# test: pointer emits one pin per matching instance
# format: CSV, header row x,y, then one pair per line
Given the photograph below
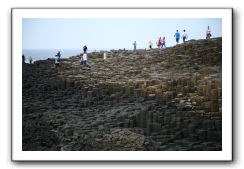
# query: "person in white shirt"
x,y
104,55
184,36
85,59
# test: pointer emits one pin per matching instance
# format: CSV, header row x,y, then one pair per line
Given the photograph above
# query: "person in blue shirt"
x,y
177,36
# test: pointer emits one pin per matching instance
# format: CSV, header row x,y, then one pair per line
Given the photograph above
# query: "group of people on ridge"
x,y
83,58
161,42
177,36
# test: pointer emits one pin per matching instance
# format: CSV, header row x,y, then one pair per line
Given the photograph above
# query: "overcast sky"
x,y
38,33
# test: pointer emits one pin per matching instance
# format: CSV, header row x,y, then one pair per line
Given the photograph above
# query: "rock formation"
x,y
160,99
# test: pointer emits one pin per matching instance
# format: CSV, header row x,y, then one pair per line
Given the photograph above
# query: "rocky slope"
x,y
167,99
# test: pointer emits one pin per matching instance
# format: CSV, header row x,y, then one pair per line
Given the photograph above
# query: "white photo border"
x,y
224,13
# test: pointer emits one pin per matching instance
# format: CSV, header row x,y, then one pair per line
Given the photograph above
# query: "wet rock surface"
x,y
157,100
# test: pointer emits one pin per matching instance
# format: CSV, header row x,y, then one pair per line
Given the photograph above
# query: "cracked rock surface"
x,y
144,100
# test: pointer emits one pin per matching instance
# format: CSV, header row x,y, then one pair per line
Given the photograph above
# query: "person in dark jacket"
x,y
85,48
23,59
57,59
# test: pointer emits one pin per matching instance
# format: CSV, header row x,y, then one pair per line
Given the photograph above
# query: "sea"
x,y
43,54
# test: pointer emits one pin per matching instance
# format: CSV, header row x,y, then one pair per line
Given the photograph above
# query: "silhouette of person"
x,y
23,59
208,33
30,60
85,49
134,44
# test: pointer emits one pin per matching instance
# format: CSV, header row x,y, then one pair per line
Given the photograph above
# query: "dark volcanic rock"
x,y
157,100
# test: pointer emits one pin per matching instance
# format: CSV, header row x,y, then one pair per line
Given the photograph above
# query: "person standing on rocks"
x,y
23,59
85,59
134,44
30,60
57,59
81,60
150,44
163,43
177,37
184,36
85,49
159,42
208,33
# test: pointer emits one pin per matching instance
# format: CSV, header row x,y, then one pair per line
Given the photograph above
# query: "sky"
x,y
108,33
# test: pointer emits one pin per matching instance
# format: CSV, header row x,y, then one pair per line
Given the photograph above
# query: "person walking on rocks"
x,y
163,43
150,44
184,36
134,44
85,63
159,42
83,60
57,59
177,37
208,33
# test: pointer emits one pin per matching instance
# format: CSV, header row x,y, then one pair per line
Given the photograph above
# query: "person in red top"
x,y
159,42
